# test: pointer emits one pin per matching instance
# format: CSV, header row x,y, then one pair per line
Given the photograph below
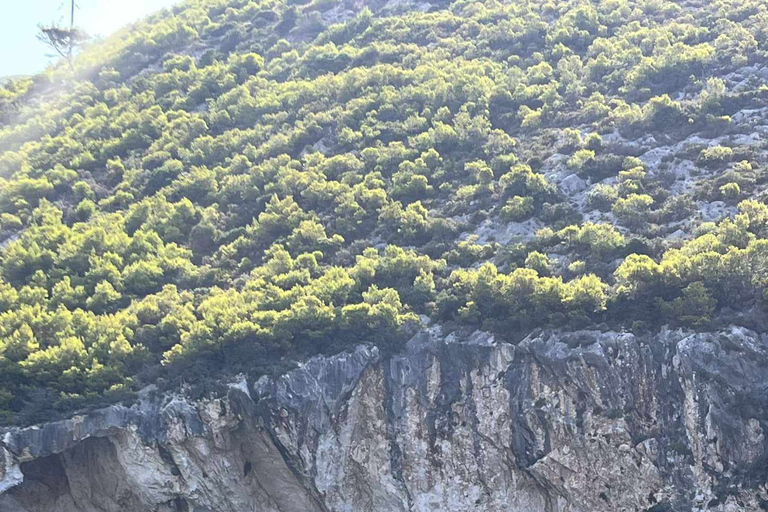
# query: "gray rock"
x,y
572,184
561,422
715,211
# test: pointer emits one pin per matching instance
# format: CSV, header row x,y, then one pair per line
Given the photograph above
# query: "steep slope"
x,y
586,421
235,186
231,184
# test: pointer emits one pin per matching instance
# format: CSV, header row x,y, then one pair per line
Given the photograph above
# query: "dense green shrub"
x,y
296,188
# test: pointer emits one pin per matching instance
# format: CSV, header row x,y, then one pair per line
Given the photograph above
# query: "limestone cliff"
x,y
585,421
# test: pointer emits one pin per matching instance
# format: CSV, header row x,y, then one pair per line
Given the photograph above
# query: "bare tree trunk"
x,y
64,40
71,27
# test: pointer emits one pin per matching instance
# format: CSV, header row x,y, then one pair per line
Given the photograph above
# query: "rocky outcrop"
x,y
561,422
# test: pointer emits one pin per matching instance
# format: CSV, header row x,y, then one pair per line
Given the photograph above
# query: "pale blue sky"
x,y
22,54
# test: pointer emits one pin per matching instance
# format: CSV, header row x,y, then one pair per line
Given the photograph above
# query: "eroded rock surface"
x,y
562,422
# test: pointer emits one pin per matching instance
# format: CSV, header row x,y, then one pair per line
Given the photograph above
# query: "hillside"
x,y
234,185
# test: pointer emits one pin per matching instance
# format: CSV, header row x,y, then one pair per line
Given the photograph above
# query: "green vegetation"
x,y
234,183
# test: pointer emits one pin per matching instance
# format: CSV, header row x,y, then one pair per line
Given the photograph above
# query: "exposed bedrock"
x,y
562,422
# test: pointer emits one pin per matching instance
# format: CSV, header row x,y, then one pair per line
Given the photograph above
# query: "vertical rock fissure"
x,y
395,452
306,480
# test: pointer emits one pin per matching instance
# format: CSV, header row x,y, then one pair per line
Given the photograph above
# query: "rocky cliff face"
x,y
586,421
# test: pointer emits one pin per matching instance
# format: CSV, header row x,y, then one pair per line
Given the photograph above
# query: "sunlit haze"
x,y
22,54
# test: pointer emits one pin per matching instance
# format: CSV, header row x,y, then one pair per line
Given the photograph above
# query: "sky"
x,y
20,51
